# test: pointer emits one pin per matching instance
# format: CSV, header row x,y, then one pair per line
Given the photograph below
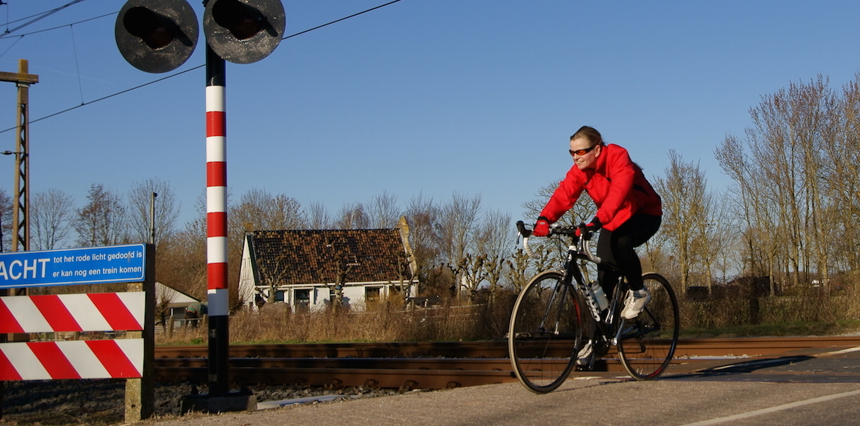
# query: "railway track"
x,y
435,365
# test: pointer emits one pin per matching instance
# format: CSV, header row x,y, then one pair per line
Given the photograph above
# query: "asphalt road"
x,y
820,387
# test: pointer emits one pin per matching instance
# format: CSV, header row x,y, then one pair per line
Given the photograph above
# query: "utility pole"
x,y
22,170
20,210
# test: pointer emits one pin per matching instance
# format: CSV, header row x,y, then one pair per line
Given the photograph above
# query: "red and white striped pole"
x,y
216,223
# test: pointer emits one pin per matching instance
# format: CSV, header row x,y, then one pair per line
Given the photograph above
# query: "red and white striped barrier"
x,y
81,359
72,312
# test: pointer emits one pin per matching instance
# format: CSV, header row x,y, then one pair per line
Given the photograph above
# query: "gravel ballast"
x,y
101,402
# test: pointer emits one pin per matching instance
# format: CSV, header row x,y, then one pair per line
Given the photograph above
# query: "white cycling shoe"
x,y
584,357
635,303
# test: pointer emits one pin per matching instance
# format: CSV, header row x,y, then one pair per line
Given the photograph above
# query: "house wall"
x,y
319,295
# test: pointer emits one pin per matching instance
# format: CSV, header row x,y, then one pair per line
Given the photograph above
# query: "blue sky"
x,y
477,97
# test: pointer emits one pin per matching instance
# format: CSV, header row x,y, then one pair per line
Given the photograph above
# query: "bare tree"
x,y
472,273
457,222
317,217
260,210
140,205
495,239
752,209
405,275
842,180
795,134
274,274
182,259
344,268
423,215
582,211
551,252
686,207
517,272
724,242
353,216
383,212
164,297
51,214
344,263
6,219
101,222
267,211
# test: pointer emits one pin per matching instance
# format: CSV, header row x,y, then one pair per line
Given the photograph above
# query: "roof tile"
x,y
316,256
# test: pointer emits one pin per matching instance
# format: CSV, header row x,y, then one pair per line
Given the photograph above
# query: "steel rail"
x,y
436,365
498,349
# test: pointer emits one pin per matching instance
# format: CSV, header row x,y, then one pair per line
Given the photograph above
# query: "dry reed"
x,y
393,322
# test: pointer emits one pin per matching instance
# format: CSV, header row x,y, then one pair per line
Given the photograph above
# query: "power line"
x,y
41,16
108,96
341,19
3,3
185,71
59,26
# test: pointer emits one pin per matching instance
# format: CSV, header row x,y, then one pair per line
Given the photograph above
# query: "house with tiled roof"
x,y
315,269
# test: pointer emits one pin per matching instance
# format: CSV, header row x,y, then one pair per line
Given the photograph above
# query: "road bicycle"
x,y
556,313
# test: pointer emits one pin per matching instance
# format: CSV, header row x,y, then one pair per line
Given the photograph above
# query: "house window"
x,y
371,294
302,298
279,296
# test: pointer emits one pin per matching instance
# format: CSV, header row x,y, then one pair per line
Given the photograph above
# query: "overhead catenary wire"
x,y
341,19
20,36
8,22
84,103
40,16
109,96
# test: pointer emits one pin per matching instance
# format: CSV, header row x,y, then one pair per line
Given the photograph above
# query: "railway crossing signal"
x,y
156,35
244,32
159,36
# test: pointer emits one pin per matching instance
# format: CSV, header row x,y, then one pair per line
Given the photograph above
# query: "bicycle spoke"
x,y
545,334
647,348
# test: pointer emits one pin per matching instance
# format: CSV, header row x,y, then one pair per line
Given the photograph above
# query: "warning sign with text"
x,y
91,265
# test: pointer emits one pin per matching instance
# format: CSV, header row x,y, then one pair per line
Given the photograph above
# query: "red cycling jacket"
x,y
616,184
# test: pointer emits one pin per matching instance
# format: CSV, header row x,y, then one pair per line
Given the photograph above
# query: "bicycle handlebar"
x,y
581,240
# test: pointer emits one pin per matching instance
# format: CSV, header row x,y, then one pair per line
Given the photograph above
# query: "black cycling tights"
x,y
616,248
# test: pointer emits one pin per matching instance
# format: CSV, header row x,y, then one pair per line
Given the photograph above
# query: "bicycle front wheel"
x,y
648,341
545,332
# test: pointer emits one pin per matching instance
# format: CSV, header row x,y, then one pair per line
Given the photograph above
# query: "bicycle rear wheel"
x,y
648,342
545,333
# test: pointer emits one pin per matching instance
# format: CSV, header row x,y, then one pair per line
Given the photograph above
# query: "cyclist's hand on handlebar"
x,y
541,228
589,229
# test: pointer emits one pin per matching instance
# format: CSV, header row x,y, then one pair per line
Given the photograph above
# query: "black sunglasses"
x,y
581,152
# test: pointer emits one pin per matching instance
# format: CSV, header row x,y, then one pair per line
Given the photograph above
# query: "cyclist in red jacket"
x,y
629,211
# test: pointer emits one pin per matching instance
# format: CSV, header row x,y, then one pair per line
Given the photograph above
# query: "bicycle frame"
x,y
580,249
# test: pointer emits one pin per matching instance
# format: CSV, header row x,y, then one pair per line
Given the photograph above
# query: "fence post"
x,y
140,393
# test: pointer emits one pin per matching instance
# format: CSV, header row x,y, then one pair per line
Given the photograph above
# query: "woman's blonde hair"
x,y
589,133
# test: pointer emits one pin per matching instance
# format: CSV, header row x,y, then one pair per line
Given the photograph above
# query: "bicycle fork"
x,y
559,291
